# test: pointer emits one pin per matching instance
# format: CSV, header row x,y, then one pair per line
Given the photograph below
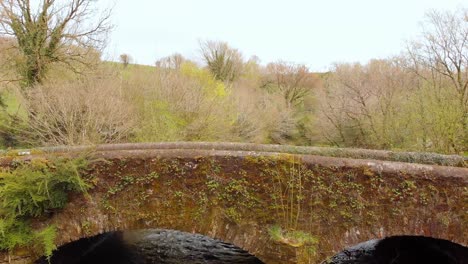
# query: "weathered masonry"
x,y
282,204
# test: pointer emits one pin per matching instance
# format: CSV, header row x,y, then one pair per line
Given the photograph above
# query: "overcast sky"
x,y
314,32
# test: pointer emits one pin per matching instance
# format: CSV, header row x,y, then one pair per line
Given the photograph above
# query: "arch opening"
x,y
403,250
148,246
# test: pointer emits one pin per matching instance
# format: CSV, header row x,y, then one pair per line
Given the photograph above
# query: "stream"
x,y
150,247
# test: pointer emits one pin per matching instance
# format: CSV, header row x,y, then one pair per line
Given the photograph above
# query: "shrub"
x,y
180,104
32,190
89,111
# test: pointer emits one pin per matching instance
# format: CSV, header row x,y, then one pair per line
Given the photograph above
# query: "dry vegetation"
x,y
417,101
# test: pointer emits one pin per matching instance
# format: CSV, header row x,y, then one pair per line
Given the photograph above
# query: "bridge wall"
x,y
239,196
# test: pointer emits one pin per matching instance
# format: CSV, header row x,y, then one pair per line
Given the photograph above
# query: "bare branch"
x,y
293,80
46,35
224,62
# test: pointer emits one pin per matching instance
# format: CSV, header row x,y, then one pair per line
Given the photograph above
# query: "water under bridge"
x,y
262,197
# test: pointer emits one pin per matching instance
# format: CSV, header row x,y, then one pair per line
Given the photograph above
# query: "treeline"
x,y
176,100
415,101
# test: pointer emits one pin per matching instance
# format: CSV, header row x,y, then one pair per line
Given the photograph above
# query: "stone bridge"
x,y
283,204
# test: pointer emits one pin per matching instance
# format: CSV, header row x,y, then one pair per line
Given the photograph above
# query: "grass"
x,y
294,238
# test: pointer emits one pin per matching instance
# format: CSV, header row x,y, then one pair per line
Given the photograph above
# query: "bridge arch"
x,y
149,246
403,250
281,207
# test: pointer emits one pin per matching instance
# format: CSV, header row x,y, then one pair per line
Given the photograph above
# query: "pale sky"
x,y
313,32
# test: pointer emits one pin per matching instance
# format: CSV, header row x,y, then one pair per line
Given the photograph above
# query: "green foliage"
x,y
293,238
275,233
46,237
160,123
433,122
211,87
14,233
32,190
183,104
40,186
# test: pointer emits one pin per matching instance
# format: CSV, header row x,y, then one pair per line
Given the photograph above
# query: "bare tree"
x,y
442,53
53,31
171,62
295,81
224,62
125,59
361,102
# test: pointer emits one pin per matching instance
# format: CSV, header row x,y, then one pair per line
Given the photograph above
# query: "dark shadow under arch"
x,y
104,248
147,247
403,250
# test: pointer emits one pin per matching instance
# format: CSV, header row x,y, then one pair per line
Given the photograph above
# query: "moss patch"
x,y
205,193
